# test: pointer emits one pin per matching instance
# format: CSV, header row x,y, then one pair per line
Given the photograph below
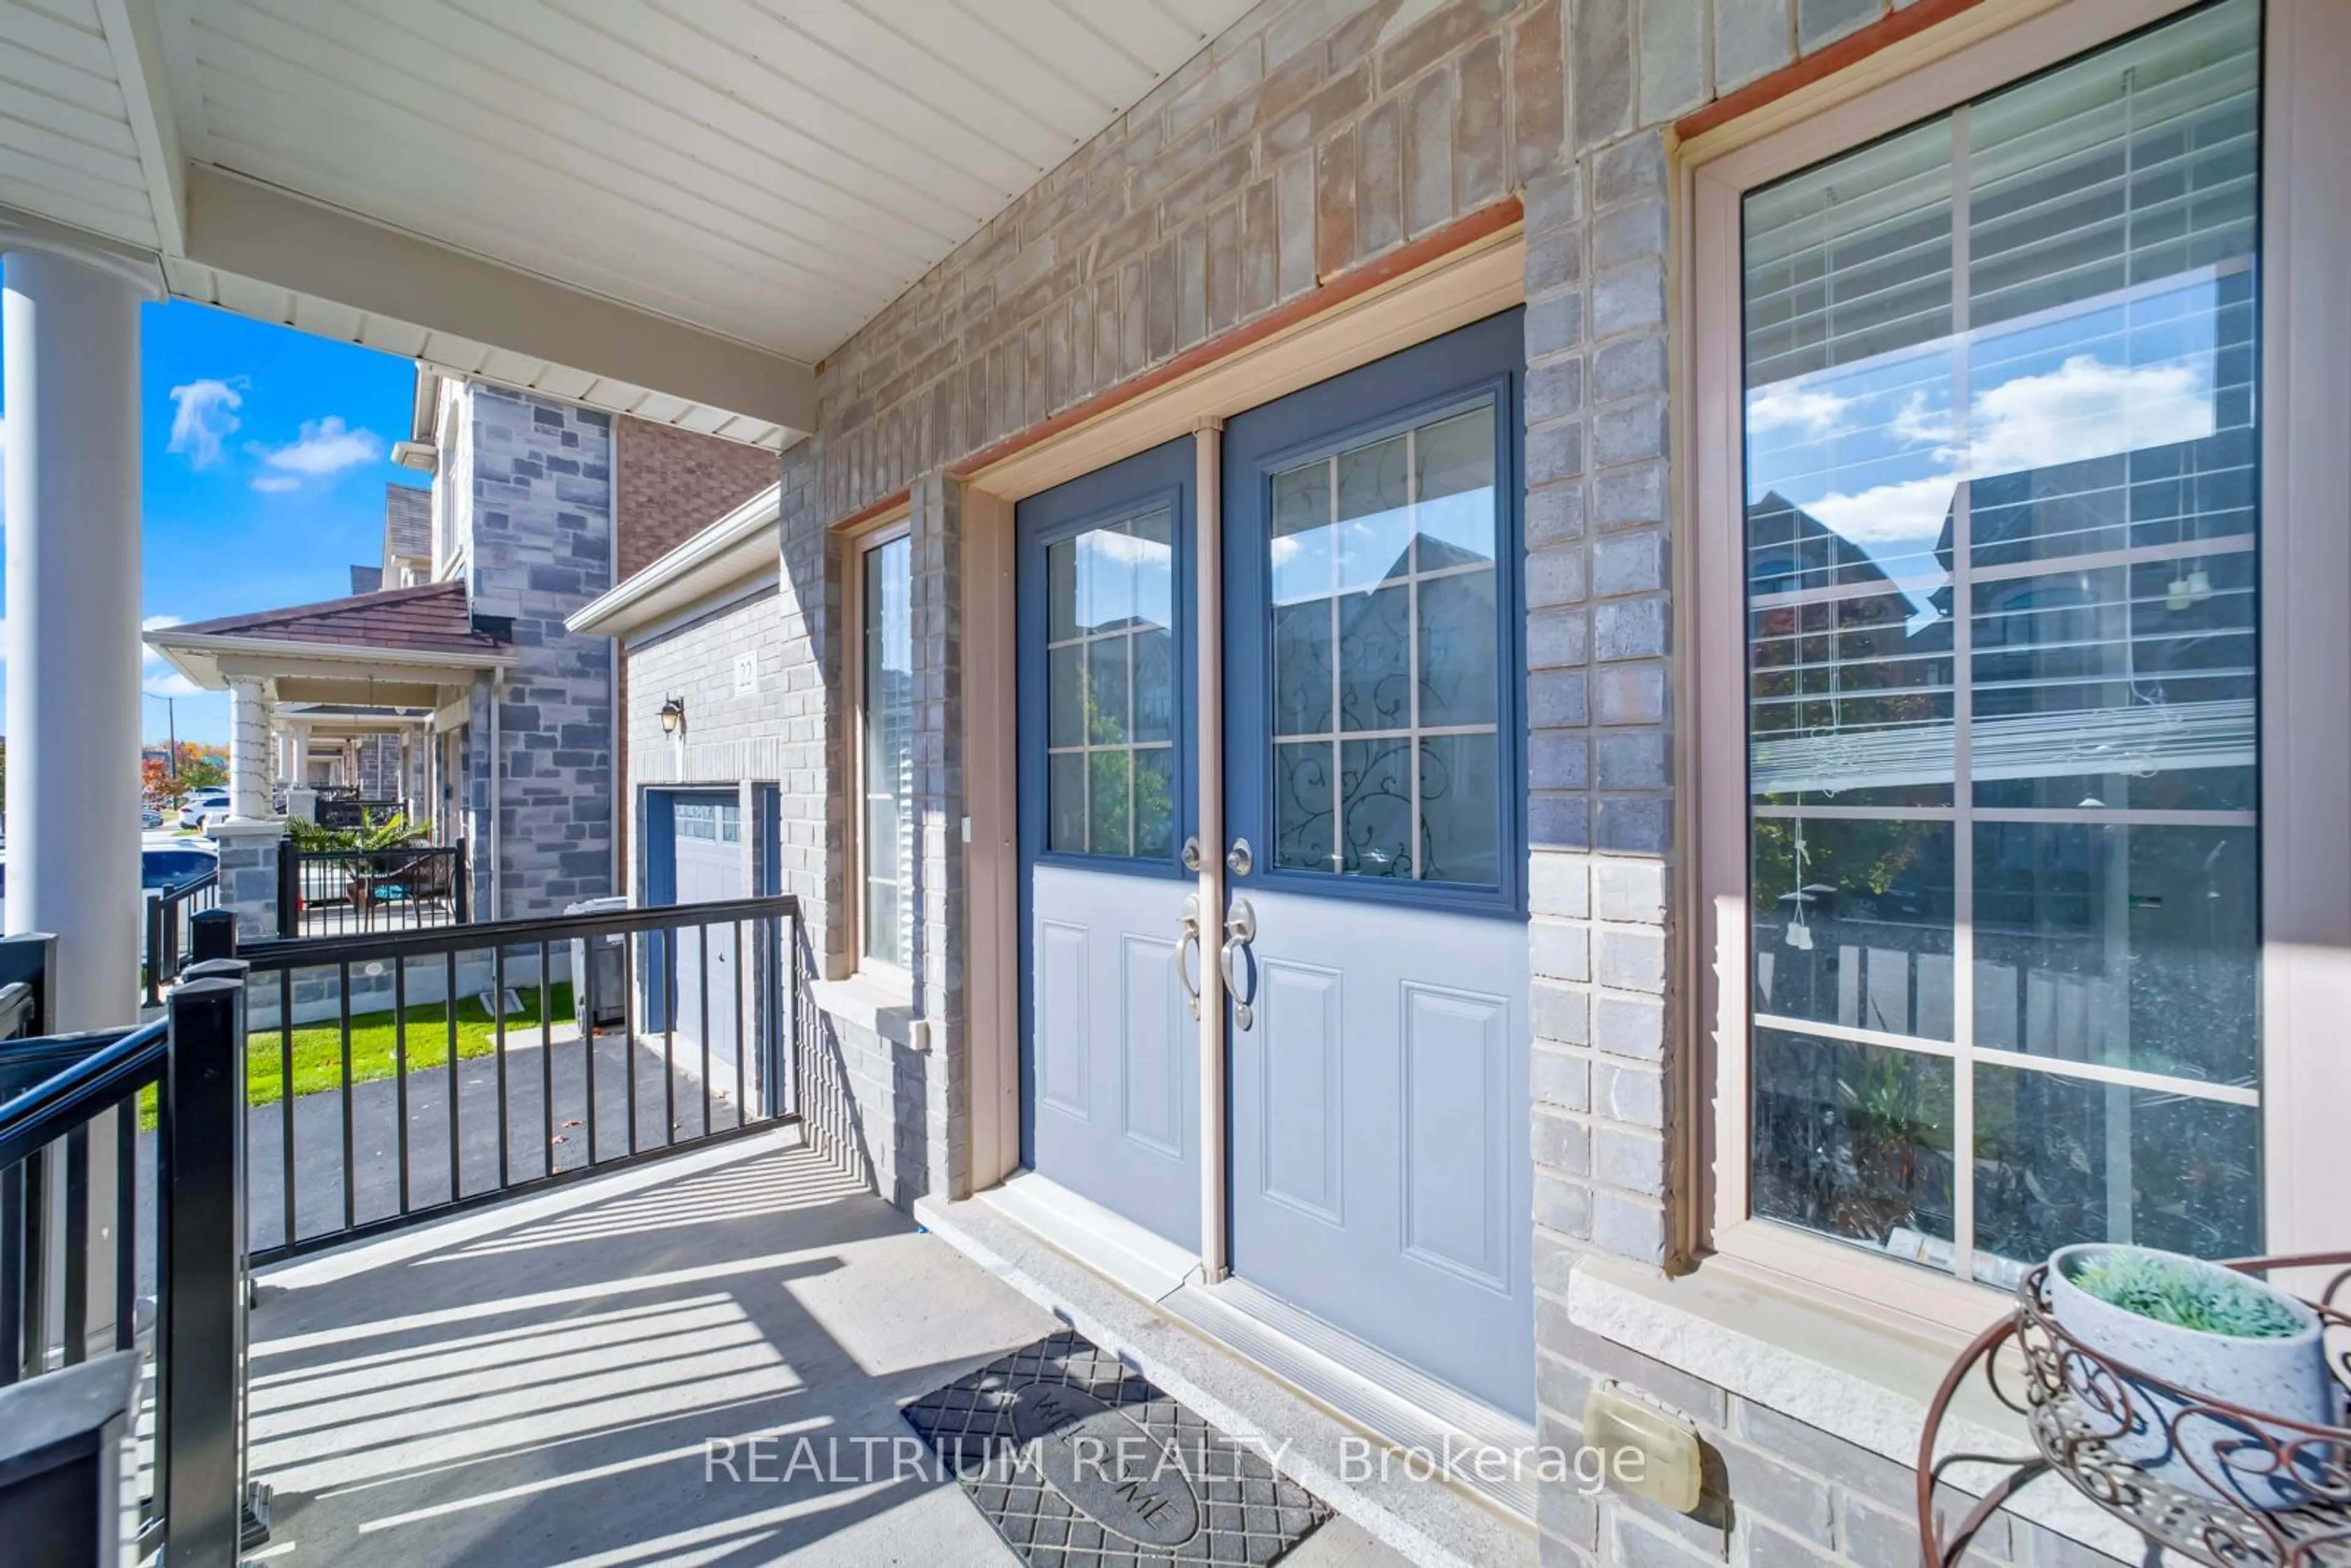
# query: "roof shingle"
x,y
436,619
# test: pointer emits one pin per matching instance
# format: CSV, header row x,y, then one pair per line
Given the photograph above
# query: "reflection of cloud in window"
x,y
1816,413
1910,510
2085,409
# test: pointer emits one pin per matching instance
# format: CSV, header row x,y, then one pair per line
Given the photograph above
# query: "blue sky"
x,y
265,452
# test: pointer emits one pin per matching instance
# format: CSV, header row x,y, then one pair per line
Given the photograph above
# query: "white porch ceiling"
x,y
761,174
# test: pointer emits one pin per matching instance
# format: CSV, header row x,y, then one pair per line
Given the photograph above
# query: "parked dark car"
x,y
167,867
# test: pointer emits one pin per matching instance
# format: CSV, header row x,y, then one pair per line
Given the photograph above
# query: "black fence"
x,y
436,1069
184,1231
338,810
341,893
169,930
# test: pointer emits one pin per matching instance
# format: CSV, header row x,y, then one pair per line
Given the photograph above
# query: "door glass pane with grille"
x,y
2002,547
1386,680
1109,680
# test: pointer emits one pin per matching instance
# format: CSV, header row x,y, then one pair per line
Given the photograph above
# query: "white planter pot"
x,y
2204,1454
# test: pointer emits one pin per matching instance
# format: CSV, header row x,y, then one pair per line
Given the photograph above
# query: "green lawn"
x,y
319,1047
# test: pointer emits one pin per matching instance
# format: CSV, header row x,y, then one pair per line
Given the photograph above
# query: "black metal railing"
x,y
169,933
341,809
396,1076
62,1097
341,893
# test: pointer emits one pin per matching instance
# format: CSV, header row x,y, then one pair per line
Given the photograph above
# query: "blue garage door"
x,y
696,853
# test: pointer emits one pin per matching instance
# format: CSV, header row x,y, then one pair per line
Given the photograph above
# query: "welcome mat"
x,y
1077,1460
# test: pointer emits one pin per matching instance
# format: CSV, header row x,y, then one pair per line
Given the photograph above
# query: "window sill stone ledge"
x,y
1866,1382
882,1004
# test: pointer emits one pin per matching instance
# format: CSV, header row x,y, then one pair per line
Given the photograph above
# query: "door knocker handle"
x,y
1190,938
1241,930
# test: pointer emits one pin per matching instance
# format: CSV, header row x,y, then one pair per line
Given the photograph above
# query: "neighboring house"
x,y
455,689
1545,1054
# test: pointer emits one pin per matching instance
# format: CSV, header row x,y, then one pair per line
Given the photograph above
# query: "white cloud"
x,y
326,448
156,677
157,623
2087,408
1817,415
1911,509
275,483
203,414
2084,409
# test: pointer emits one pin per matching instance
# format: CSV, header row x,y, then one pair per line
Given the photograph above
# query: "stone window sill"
x,y
874,1000
1864,1381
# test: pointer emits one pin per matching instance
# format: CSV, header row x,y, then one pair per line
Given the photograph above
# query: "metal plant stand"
x,y
2074,1401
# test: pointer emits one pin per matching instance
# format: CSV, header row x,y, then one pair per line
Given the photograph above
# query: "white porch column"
x,y
70,324
248,750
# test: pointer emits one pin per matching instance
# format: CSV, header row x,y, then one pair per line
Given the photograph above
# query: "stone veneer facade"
x,y
540,483
1308,140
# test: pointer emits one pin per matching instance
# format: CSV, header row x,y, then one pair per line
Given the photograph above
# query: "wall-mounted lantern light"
x,y
673,715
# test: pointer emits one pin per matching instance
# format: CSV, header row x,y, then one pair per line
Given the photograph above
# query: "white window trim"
x,y
889,529
2307,647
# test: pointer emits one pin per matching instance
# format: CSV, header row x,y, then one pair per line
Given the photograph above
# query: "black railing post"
x,y
172,914
154,965
61,1464
289,887
199,1378
213,936
463,878
32,958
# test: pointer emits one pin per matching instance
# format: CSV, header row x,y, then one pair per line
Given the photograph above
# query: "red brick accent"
x,y
671,484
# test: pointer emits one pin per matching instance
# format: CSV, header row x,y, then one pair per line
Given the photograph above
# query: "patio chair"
x,y
414,878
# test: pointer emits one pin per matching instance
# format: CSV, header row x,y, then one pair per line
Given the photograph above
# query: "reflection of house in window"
x,y
1838,680
2125,682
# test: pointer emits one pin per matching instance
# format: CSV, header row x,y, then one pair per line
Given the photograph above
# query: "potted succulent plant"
x,y
2206,1332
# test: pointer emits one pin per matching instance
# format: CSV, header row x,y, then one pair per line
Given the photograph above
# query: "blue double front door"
x,y
1372,930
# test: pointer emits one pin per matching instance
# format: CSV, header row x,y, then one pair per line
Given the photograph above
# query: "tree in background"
x,y
200,768
157,787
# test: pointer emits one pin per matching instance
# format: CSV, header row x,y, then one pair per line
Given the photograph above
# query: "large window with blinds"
x,y
2001,528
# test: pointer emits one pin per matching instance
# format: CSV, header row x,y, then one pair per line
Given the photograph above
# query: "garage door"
x,y
699,859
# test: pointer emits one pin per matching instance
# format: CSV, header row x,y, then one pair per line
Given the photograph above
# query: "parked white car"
x,y
202,807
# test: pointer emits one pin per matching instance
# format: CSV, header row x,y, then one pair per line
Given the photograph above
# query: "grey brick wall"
x,y
1311,137
729,736
732,737
542,547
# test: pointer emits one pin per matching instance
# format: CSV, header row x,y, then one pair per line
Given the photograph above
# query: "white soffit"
x,y
768,173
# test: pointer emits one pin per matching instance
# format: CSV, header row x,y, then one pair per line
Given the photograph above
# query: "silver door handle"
x,y
1239,860
1191,855
1241,930
1189,939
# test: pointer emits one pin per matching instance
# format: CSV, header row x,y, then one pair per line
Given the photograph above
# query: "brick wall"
x,y
732,737
1311,138
542,547
729,736
670,484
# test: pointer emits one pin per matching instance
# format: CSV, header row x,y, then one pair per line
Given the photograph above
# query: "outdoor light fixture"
x,y
673,715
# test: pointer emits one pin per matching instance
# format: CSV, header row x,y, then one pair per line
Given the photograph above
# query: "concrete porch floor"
x,y
540,1383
